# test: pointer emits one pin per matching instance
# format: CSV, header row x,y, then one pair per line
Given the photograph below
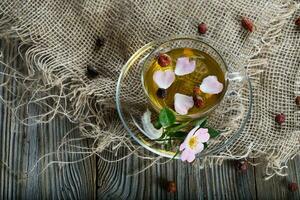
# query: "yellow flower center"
x,y
193,142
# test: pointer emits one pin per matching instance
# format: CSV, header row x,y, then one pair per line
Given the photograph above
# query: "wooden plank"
x,y
218,182
21,146
276,187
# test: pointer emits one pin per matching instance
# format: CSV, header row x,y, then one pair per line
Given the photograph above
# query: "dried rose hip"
x,y
196,90
99,42
163,60
241,165
297,22
280,118
247,24
297,100
198,101
202,28
293,187
161,93
171,187
92,71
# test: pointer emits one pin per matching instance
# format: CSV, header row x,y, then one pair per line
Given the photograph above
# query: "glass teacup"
x,y
230,75
233,107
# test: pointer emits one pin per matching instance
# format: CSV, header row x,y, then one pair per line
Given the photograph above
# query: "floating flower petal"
x,y
164,79
183,103
211,85
184,66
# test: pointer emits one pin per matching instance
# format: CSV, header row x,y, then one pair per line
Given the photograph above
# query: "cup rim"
x,y
163,41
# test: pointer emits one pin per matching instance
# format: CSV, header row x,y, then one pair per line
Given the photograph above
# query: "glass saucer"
x,y
229,117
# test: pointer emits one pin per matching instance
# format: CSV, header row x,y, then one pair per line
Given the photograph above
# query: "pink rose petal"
x,y
164,79
184,66
183,103
187,138
202,134
192,132
196,148
187,156
182,146
199,147
211,85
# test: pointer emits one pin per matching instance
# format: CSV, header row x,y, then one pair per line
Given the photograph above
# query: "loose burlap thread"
x,y
61,37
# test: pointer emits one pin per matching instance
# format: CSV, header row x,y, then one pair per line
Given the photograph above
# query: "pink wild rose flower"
x,y
193,143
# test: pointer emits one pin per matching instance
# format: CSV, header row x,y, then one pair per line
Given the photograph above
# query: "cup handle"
x,y
236,76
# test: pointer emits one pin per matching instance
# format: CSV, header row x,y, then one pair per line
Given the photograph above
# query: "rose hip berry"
x,y
202,28
163,60
280,118
99,42
297,100
91,71
171,187
293,187
198,101
161,93
241,165
196,90
247,24
297,22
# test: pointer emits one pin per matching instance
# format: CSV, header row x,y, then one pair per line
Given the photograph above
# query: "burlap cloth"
x,y
60,36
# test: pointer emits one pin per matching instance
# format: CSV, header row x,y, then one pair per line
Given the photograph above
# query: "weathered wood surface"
x,y
22,146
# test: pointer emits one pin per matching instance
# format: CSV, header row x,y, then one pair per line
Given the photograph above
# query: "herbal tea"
x,y
186,80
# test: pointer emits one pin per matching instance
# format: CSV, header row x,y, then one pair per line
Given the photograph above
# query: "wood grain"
x,y
276,187
219,182
21,146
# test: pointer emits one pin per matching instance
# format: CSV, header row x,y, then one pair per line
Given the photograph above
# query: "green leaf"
x,y
200,122
177,127
213,132
178,134
166,117
157,125
172,126
205,145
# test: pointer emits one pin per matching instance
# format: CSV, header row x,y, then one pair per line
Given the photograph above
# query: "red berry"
x,y
241,165
171,187
297,100
202,28
161,93
297,22
293,187
247,24
280,118
198,101
91,71
196,90
163,60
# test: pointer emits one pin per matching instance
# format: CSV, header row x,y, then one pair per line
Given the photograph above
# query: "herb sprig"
x,y
178,130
